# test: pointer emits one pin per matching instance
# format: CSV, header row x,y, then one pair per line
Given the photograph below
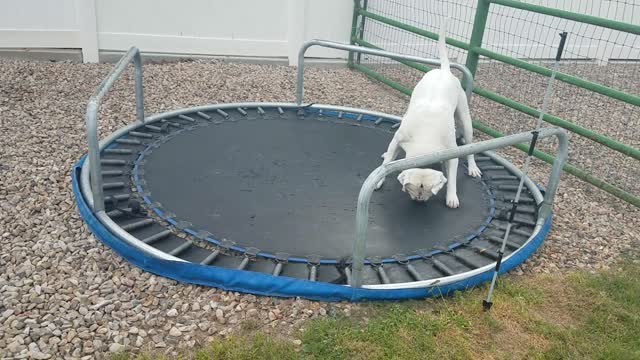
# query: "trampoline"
x,y
277,199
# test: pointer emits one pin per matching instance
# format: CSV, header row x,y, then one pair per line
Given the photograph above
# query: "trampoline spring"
x,y
524,221
210,258
186,118
497,240
260,110
137,225
488,253
130,141
440,266
492,167
508,187
383,275
468,263
503,177
221,112
513,230
241,111
482,158
522,210
313,272
112,173
116,213
140,134
280,111
155,237
113,185
277,269
414,273
379,121
180,249
170,123
340,113
118,151
203,115
117,162
118,197
153,128
359,118
504,214
522,200
396,125
244,263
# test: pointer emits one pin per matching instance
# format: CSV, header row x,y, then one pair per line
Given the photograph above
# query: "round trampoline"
x,y
263,198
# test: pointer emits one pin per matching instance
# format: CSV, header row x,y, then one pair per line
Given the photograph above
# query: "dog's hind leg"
x,y
464,116
452,173
390,155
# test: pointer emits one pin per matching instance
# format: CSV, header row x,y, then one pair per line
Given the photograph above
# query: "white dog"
x,y
429,125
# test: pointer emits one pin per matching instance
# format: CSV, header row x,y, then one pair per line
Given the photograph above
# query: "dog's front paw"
x,y
452,201
379,185
474,171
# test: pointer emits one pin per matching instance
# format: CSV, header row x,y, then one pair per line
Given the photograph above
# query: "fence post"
x,y
354,30
86,15
361,28
479,24
295,29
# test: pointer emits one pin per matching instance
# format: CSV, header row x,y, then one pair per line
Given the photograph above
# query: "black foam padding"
x,y
284,184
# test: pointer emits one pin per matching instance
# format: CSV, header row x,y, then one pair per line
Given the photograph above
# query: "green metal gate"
x,y
401,27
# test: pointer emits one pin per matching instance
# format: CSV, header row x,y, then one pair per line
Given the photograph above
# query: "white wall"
x,y
252,28
58,24
35,24
264,28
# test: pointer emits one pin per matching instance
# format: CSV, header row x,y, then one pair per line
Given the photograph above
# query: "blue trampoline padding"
x,y
264,284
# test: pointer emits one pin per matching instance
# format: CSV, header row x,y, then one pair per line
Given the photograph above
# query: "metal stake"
x,y
486,304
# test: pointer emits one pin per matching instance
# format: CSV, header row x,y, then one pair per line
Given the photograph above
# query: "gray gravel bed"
x,y
65,295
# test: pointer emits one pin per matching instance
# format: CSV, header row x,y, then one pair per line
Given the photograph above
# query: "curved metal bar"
x,y
467,78
362,211
92,119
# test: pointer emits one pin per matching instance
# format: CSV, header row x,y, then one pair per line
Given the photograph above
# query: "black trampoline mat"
x,y
288,185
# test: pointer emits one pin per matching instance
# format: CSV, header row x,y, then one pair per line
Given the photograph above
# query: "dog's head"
x,y
421,184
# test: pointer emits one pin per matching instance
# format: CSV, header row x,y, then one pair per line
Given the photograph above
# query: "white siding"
x,y
253,28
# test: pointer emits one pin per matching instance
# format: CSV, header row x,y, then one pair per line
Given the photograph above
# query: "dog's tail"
x,y
442,47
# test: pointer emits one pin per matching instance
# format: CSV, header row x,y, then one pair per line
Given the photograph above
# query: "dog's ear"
x,y
403,178
441,181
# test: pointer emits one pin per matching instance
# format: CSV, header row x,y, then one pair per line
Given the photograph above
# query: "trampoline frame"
x,y
91,181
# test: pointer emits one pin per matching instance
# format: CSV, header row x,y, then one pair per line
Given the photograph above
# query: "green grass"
x,y
574,316
258,346
611,326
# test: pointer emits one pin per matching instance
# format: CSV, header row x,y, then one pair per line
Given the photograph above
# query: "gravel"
x,y
65,295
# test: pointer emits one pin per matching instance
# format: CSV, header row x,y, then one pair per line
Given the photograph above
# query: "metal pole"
x,y
137,63
354,30
467,78
361,30
92,119
553,180
94,156
479,25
